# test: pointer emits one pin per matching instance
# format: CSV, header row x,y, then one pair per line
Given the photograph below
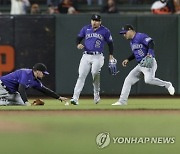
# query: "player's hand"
x,y
149,55
62,99
111,57
80,46
27,104
125,62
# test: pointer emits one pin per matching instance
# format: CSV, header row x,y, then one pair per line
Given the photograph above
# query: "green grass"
x,y
58,131
54,134
105,104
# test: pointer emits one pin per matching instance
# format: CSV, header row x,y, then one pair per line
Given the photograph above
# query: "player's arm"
x,y
111,50
131,57
80,37
22,92
78,42
151,47
51,93
126,61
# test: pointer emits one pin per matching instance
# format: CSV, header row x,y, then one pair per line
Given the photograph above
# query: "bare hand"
x,y
62,99
125,62
111,57
80,46
149,55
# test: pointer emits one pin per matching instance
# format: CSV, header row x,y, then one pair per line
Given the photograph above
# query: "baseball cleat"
x,y
171,89
119,103
74,102
96,98
96,101
3,102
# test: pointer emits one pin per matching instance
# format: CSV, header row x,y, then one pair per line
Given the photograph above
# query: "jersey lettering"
x,y
136,46
94,35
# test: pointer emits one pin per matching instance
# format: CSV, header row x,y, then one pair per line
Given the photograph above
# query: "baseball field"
x,y
145,125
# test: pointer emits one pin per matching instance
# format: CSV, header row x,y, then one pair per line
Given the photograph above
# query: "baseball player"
x,y
142,46
95,36
13,85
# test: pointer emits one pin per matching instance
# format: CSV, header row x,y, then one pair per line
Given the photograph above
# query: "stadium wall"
x,y
27,40
162,28
51,40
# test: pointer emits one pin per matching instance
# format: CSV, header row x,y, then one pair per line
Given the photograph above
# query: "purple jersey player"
x,y
13,85
142,45
95,36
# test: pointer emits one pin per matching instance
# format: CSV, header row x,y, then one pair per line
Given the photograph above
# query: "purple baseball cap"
x,y
125,28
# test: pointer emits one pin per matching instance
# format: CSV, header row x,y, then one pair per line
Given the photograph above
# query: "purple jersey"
x,y
95,40
21,76
139,45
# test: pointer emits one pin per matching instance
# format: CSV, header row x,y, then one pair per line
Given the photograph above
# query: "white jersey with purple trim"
x,y
95,40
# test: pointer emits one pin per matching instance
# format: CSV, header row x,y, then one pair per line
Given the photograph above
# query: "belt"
x,y
92,52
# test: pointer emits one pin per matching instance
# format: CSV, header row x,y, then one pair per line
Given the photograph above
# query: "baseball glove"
x,y
112,67
38,102
147,62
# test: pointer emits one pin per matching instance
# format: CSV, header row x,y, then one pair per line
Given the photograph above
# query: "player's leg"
x,y
149,78
131,79
97,63
84,68
15,99
3,96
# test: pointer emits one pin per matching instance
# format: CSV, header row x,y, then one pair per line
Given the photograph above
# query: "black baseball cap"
x,y
41,67
125,28
96,17
163,1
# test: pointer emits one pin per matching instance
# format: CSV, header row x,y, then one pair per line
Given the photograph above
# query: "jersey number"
x,y
98,44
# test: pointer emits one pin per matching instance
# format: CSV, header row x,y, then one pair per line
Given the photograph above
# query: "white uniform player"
x,y
141,45
95,36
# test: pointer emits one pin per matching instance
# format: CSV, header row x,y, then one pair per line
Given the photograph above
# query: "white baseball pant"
x,y
87,63
134,76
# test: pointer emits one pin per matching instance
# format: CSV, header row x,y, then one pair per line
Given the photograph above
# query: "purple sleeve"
x,y
146,39
23,78
108,37
38,85
82,32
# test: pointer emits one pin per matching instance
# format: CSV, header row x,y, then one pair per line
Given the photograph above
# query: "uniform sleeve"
x,y
48,92
78,40
108,37
146,40
151,47
131,57
22,92
82,32
23,78
109,40
111,48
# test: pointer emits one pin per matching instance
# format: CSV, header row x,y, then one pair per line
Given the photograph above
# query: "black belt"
x,y
92,53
